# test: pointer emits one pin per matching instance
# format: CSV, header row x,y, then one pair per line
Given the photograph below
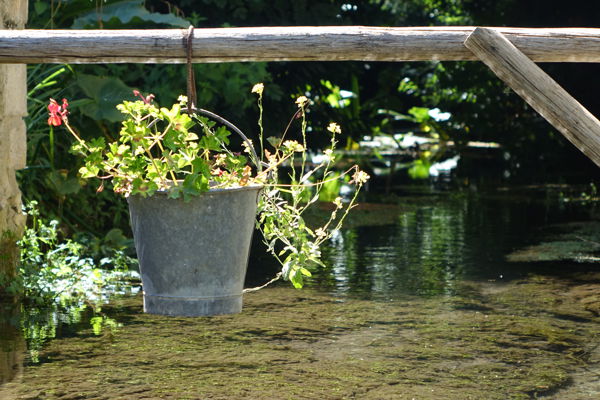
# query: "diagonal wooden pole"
x,y
538,89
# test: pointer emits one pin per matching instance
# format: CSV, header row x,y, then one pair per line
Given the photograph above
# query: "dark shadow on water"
x,y
12,344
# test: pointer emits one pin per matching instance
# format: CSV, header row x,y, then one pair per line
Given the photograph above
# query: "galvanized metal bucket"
x,y
194,255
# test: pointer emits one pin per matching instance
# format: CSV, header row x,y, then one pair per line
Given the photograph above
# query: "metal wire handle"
x,y
192,98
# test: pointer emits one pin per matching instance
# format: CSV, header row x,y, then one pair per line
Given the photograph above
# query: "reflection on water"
x,y
436,241
11,342
421,252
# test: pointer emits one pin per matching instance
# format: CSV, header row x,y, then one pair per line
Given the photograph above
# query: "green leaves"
x,y
158,149
200,166
62,183
143,187
281,222
165,149
58,273
104,94
419,169
89,171
210,142
193,185
128,12
420,114
53,269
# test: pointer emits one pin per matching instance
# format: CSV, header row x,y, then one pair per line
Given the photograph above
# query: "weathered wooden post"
x,y
13,107
538,89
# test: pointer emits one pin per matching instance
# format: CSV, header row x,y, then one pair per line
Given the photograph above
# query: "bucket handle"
x,y
191,95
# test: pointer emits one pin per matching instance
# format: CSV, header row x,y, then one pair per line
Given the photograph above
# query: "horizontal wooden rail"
x,y
327,43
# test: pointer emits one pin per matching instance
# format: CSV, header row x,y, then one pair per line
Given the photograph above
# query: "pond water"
x,y
429,294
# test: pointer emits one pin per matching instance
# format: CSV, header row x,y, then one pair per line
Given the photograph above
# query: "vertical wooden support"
x,y
538,89
13,107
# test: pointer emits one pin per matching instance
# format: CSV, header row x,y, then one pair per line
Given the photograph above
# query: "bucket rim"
x,y
213,190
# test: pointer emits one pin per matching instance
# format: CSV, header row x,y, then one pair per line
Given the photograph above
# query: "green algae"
x,y
530,338
495,341
579,242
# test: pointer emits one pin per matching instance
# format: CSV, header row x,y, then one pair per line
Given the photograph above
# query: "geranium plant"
x,y
185,152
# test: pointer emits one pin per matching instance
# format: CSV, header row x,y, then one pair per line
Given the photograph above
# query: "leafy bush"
x,y
54,269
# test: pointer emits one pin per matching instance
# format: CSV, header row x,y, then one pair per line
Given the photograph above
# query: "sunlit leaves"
x,y
89,172
419,169
51,268
162,149
165,149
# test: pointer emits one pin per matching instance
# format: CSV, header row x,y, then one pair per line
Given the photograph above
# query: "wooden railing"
x,y
510,52
338,43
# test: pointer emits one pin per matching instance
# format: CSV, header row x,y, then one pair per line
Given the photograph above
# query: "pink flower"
x,y
57,112
147,100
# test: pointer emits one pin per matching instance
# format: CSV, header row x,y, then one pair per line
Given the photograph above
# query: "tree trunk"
x,y
13,107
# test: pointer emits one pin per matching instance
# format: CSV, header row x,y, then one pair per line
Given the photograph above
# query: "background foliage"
x,y
350,93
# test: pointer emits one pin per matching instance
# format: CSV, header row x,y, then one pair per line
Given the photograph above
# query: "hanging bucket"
x,y
193,255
